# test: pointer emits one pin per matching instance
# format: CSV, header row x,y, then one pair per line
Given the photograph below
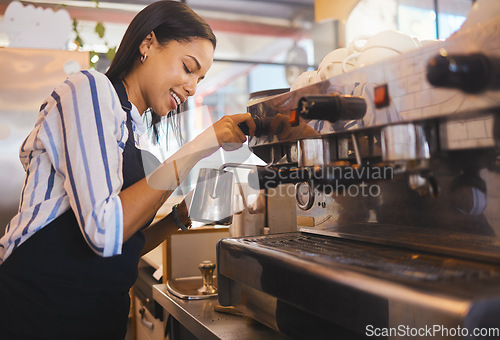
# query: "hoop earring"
x,y
143,58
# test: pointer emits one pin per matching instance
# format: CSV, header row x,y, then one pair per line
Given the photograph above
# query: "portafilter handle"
x,y
260,177
268,177
471,73
261,126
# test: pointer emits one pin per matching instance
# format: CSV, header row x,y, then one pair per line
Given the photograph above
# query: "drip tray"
x,y
187,287
398,263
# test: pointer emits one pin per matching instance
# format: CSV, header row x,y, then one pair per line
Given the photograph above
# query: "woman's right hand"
x,y
229,135
225,132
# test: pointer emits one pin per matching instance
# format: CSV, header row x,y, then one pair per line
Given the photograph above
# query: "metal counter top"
x,y
200,318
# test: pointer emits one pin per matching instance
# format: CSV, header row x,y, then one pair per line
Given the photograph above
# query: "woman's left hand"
x,y
229,135
183,212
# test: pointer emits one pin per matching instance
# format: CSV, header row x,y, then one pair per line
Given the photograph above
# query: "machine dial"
x,y
304,195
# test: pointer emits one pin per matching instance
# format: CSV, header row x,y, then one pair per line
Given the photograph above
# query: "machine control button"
x,y
294,118
381,97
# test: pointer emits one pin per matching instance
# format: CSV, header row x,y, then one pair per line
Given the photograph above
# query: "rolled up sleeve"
x,y
87,152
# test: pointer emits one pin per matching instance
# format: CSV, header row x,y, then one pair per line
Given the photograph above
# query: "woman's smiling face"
x,y
171,72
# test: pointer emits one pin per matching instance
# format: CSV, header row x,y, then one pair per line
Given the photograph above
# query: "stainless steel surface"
x,y
250,209
188,288
257,97
354,284
316,151
404,142
201,319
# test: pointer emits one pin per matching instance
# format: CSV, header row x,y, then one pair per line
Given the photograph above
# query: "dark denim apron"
x,y
55,287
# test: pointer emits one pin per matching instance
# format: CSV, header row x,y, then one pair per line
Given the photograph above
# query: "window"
x,y
432,19
424,19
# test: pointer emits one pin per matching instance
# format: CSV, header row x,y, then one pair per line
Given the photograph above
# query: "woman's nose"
x,y
190,87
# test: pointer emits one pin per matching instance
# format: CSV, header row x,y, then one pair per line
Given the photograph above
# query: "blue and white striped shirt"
x,y
73,159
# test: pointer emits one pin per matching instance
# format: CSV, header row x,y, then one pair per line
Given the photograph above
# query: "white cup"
x,y
332,64
368,57
383,45
334,56
304,79
394,40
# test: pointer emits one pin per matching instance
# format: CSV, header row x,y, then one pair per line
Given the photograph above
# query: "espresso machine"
x,y
396,174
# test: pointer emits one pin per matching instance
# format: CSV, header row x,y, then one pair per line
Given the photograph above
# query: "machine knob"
x,y
207,271
332,107
470,73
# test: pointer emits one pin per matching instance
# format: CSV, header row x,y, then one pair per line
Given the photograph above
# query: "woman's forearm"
x,y
141,201
175,169
158,232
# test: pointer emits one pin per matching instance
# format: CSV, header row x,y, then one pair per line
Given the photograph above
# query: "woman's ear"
x,y
147,42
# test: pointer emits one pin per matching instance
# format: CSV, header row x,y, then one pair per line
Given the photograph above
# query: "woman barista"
x,y
69,257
